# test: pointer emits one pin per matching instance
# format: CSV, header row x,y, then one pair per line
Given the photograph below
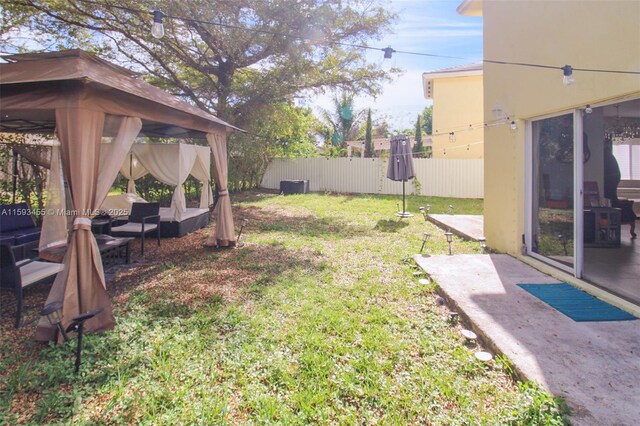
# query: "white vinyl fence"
x,y
434,177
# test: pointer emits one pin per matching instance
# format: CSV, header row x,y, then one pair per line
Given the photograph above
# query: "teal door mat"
x,y
575,303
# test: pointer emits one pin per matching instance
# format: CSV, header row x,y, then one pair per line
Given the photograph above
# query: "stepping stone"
x,y
468,334
483,356
424,281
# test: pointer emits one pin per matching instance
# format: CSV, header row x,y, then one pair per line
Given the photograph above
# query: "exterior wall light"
x,y
568,79
514,126
588,109
157,29
483,244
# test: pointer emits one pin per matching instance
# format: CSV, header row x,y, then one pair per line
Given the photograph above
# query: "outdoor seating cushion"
x,y
21,236
15,216
7,239
134,227
17,225
35,271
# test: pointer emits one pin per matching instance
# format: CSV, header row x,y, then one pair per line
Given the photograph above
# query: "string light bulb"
x,y
452,137
568,79
157,28
388,52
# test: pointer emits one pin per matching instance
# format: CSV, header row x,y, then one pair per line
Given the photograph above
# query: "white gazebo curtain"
x,y
132,170
111,164
224,233
202,171
170,164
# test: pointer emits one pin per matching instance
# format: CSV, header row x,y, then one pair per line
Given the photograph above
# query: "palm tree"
x,y
343,124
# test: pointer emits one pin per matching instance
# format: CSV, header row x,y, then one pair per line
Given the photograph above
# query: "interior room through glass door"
x,y
552,227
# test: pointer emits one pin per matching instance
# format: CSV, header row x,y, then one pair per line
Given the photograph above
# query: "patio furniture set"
x,y
24,265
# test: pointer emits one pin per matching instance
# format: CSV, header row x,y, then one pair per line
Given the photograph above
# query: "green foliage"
x,y
262,51
282,131
30,178
151,189
368,138
418,148
427,120
341,124
244,70
305,337
543,409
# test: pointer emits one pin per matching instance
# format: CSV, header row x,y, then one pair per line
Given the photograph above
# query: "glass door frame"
x,y
578,173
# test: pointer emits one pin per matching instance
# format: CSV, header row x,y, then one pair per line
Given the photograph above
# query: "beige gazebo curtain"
x,y
81,285
54,222
224,233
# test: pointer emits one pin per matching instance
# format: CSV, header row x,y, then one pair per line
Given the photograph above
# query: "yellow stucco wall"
x,y
589,34
457,103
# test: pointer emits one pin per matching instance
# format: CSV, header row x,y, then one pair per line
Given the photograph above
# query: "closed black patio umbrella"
x,y
401,166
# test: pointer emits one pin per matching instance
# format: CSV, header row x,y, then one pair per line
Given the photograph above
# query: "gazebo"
x,y
82,98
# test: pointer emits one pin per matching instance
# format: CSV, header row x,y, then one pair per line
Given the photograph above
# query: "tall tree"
x,y
239,59
427,120
417,146
368,137
228,57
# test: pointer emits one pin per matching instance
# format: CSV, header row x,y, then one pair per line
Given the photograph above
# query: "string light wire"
x,y
268,32
523,64
358,46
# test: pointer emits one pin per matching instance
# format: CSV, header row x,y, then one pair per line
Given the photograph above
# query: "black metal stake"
x,y
77,325
79,346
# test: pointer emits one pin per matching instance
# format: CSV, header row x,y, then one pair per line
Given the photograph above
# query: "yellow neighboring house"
x,y
545,190
458,130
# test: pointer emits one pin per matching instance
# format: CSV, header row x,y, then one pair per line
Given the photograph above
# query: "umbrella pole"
x,y
404,211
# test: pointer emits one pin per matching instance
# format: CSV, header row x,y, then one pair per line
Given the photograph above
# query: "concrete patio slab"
x,y
470,227
595,366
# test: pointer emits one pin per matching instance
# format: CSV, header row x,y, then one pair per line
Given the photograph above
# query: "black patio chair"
x,y
143,219
18,275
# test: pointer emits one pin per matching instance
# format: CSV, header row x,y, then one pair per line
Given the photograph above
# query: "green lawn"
x,y
318,319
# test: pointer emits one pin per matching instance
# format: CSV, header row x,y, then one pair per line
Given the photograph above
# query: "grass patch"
x,y
319,319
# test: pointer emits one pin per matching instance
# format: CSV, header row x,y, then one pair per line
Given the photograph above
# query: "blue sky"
x,y
425,26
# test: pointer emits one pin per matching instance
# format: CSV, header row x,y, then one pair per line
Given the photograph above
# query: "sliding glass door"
x,y
552,177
